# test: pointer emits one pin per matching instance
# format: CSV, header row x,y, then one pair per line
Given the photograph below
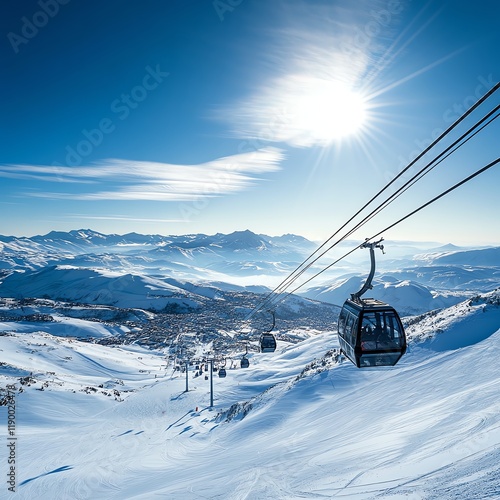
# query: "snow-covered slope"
x,y
304,426
464,324
98,286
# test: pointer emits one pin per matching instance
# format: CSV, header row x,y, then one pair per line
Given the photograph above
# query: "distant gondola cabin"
x,y
267,342
371,333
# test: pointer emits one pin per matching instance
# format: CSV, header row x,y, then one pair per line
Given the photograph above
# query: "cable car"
x,y
370,331
267,342
222,370
267,339
245,362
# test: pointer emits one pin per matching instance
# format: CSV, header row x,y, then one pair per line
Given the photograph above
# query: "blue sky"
x,y
214,116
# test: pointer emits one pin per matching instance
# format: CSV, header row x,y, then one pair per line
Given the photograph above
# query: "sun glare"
x,y
329,111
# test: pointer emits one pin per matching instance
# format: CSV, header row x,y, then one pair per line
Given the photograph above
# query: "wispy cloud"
x,y
120,218
115,179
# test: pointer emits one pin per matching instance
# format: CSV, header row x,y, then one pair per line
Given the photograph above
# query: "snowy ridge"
x,y
409,297
202,248
461,325
97,286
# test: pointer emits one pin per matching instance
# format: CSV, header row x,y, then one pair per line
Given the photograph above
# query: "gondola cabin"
x,y
267,342
222,372
371,333
244,363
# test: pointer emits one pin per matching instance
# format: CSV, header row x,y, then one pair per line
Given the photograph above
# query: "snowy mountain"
x,y
98,286
407,296
80,241
145,271
241,253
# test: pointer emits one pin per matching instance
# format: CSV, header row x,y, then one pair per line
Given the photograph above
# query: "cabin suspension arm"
x,y
368,283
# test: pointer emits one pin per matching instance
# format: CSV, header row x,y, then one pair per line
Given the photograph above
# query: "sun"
x,y
328,111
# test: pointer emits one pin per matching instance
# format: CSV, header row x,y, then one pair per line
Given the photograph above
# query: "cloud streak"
x,y
116,179
120,218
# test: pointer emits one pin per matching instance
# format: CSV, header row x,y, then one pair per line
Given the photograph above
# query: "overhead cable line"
x,y
428,168
444,193
307,263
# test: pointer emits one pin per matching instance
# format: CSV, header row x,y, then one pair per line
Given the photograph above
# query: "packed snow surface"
x,y
102,422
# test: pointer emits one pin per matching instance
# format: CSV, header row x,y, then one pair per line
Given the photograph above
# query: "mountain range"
x,y
154,271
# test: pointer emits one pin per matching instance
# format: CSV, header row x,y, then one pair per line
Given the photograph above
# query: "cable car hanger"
x,y
274,321
368,283
222,370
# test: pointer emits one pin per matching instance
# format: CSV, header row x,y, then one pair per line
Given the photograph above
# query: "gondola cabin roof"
x,y
367,304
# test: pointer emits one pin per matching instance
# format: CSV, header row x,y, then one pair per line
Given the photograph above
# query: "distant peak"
x,y
243,239
86,233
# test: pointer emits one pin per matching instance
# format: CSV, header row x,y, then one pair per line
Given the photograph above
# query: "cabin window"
x,y
383,326
342,321
351,325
